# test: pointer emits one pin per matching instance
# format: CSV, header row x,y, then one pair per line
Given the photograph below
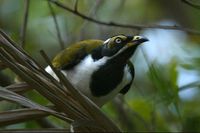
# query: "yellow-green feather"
x,y
70,53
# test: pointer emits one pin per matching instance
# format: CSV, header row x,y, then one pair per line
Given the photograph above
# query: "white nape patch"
x,y
51,72
106,41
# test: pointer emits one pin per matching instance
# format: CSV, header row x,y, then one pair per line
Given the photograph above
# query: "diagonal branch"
x,y
21,115
56,26
19,88
190,3
34,130
135,26
13,97
24,24
76,6
190,85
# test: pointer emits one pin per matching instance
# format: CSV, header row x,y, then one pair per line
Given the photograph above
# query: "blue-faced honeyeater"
x,y
99,69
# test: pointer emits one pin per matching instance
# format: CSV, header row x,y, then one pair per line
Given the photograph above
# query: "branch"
x,y
125,111
76,6
123,116
190,85
19,88
16,98
190,3
34,130
56,26
135,26
92,12
24,24
20,115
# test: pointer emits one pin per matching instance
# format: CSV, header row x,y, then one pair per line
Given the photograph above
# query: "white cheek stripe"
x,y
106,41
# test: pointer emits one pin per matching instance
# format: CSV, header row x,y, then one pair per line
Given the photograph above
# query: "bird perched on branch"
x,y
99,69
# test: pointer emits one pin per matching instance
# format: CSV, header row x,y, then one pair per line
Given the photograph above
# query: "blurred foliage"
x,y
155,102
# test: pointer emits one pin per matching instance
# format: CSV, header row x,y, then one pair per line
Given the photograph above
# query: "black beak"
x,y
144,39
139,39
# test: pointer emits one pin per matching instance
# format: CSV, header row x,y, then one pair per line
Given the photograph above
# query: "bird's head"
x,y
121,45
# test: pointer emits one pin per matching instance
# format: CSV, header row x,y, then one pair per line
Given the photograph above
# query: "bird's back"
x,y
72,55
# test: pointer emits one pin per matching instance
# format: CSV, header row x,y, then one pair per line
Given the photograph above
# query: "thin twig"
x,y
135,26
24,24
123,107
19,88
34,130
56,26
123,116
76,6
190,85
190,3
92,12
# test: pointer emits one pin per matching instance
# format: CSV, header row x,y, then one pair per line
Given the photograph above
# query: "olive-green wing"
x,y
72,55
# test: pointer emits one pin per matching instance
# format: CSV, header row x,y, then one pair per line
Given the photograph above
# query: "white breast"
x,y
80,76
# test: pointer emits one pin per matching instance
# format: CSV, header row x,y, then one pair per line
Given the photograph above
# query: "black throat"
x,y
106,78
109,75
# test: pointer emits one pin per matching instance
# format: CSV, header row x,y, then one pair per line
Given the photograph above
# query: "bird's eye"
x,y
137,37
118,40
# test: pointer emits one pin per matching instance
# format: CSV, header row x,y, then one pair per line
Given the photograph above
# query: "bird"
x,y
97,68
